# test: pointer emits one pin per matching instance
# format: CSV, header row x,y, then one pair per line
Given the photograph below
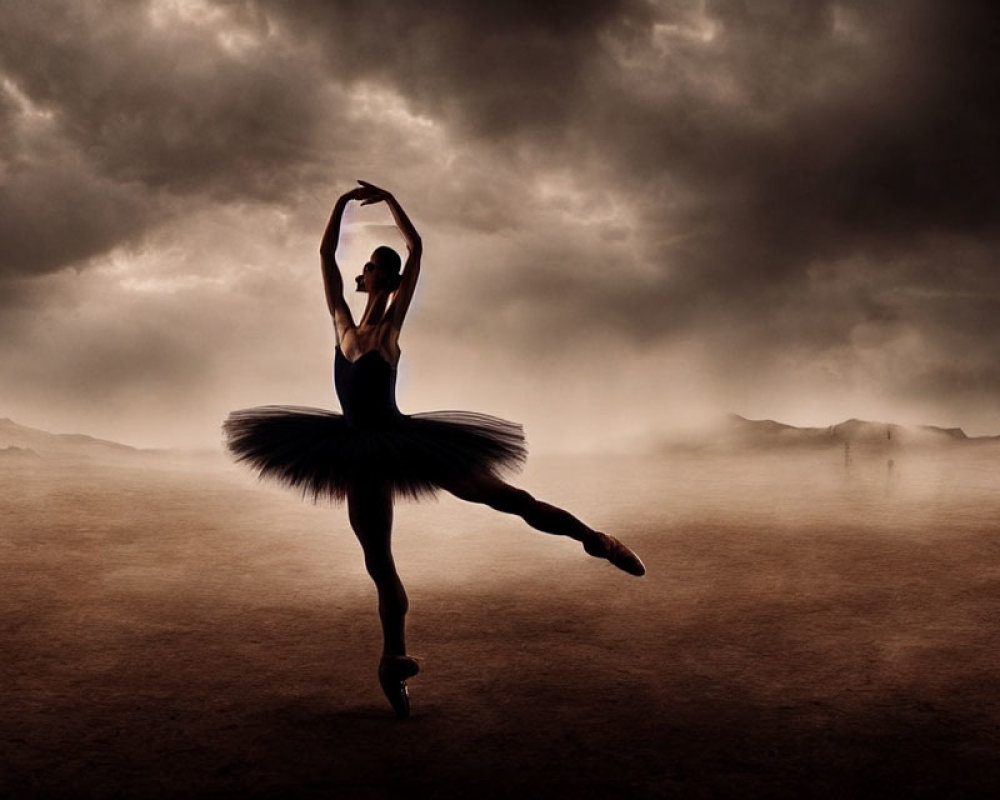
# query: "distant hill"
x,y
22,445
42,443
745,433
17,453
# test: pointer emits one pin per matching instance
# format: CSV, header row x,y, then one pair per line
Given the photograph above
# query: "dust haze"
x,y
807,623
637,216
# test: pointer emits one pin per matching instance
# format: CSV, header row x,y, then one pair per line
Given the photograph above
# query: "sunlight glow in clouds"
x,y
25,107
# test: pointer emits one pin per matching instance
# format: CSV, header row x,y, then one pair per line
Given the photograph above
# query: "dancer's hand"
x,y
369,193
363,194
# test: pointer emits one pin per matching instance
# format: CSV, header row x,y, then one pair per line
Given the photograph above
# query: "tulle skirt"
x,y
318,452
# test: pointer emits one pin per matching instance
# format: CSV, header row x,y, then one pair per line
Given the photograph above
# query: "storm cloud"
x,y
775,207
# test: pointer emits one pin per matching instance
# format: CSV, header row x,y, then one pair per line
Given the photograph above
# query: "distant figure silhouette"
x,y
372,453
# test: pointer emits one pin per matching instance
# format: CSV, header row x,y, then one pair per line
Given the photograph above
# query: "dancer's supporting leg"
x,y
369,507
501,496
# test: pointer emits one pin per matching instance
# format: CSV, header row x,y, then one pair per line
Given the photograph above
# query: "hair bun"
x,y
388,259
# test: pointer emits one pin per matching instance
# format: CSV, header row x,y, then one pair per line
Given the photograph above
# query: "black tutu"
x,y
325,453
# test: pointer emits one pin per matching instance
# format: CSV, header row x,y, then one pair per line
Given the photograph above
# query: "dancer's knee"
x,y
391,594
380,567
510,500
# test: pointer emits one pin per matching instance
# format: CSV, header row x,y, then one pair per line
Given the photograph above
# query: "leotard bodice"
x,y
366,388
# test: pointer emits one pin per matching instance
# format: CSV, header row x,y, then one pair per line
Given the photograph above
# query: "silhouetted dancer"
x,y
372,453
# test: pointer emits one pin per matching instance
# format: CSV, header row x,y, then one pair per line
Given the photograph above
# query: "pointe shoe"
x,y
604,546
392,674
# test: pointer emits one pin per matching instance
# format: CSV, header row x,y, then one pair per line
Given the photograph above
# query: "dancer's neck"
x,y
375,309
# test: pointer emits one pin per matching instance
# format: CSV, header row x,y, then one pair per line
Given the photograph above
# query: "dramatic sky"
x,y
636,213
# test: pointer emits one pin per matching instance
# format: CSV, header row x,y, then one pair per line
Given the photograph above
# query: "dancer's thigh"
x,y
489,490
369,508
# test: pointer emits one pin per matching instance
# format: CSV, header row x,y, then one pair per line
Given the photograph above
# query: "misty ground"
x,y
805,630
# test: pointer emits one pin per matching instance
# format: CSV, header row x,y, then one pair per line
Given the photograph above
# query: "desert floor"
x,y
805,630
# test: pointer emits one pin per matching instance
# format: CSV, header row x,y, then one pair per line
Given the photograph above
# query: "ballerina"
x,y
371,453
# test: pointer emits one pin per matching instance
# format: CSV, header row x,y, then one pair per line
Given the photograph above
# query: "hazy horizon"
x,y
804,622
637,216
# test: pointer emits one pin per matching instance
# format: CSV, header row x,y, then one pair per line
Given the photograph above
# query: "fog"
x,y
805,620
637,217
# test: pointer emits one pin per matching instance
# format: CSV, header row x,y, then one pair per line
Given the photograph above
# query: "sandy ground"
x,y
803,631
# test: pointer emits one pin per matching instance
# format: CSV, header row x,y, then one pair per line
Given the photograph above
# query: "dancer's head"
x,y
381,273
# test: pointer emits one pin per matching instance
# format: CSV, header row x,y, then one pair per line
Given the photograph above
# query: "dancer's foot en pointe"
x,y
601,545
392,674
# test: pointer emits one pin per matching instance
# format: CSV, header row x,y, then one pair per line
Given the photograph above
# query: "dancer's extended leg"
x,y
369,508
545,517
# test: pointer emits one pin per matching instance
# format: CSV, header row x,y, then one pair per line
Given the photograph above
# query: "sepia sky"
x,y
636,215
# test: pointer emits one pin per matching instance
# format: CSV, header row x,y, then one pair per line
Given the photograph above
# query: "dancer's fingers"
x,y
372,186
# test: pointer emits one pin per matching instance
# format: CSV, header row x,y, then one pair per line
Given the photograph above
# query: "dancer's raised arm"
x,y
333,281
411,269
